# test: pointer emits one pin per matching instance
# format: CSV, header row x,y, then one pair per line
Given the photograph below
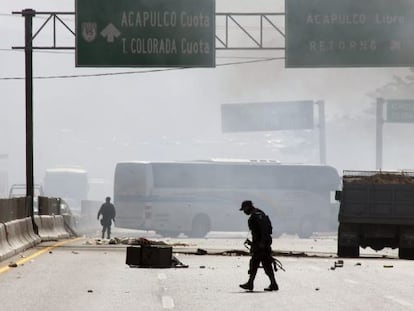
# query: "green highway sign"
x,y
351,33
145,33
267,116
400,111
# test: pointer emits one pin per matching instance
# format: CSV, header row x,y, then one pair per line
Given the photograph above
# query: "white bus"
x,y
70,184
201,196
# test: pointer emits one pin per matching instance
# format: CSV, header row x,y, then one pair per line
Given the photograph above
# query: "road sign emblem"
x,y
89,31
110,32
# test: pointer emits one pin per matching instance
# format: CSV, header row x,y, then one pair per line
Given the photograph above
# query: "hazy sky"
x,y
94,122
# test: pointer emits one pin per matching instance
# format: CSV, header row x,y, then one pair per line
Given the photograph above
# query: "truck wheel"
x,y
406,253
348,251
201,226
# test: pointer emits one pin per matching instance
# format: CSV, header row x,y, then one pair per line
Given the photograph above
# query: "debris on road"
x,y
13,265
388,266
338,264
132,241
201,251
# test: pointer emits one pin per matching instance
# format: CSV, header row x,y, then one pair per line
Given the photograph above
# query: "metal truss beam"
x,y
234,31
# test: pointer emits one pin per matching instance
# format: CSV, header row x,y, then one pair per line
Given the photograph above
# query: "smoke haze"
x,y
95,122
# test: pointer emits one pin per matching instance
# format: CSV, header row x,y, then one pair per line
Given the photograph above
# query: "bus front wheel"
x,y
200,226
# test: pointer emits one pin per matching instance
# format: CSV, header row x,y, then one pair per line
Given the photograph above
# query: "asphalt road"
x,y
82,275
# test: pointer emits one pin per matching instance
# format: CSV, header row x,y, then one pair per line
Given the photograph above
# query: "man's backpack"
x,y
264,223
267,225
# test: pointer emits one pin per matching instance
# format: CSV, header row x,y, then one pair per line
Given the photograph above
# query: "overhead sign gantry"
x,y
145,33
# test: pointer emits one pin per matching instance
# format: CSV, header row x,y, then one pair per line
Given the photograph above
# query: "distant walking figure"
x,y
108,213
260,246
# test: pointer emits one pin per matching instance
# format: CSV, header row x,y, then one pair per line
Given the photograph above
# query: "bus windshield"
x,y
66,183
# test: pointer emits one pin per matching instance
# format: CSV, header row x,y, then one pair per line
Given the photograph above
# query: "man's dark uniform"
x,y
108,213
261,250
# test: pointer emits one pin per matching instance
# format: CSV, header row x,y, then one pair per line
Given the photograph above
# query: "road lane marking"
x,y
167,302
162,276
351,281
38,253
400,301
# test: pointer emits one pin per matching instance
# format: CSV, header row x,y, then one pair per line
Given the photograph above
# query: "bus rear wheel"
x,y
200,227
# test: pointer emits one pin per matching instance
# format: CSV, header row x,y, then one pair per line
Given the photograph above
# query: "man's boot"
x,y
247,286
272,287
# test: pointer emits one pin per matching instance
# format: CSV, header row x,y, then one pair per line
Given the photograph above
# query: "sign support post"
x,y
28,49
322,132
379,125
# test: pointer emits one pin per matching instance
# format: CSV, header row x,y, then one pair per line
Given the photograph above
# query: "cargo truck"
x,y
376,210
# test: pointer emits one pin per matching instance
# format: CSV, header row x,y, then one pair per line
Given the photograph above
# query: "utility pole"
x,y
28,15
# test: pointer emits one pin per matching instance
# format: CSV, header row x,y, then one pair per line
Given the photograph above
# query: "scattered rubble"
x,y
338,264
132,241
382,178
13,265
201,251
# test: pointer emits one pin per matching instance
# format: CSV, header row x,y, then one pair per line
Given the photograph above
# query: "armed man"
x,y
260,246
108,213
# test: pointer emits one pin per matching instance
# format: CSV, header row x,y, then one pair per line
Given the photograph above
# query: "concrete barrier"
x,y
45,228
15,237
60,227
51,228
24,233
6,250
18,235
48,224
38,222
34,237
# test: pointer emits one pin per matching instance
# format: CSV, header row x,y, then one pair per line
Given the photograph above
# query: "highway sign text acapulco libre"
x,y
352,33
145,33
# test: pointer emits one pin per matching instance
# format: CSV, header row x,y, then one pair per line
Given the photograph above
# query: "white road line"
x,y
351,281
162,276
400,301
167,302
